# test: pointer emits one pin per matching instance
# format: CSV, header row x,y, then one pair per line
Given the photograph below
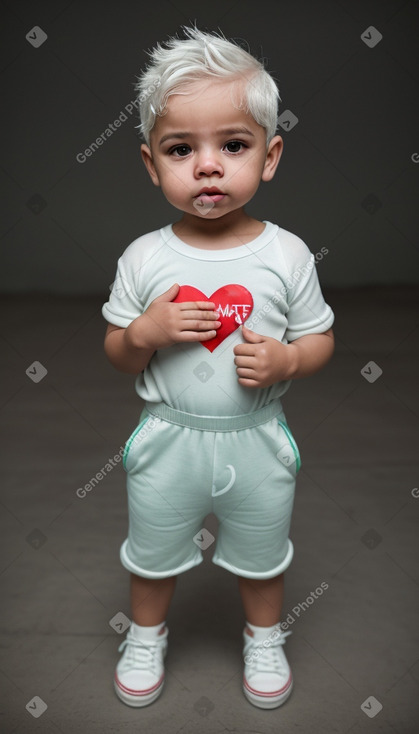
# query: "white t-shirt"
x,y
278,295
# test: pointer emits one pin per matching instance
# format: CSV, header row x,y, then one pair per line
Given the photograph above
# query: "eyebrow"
x,y
224,131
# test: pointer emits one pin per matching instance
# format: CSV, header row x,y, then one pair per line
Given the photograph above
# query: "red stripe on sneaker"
x,y
270,693
133,692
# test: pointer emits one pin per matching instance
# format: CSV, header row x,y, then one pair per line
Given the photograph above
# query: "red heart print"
x,y
233,302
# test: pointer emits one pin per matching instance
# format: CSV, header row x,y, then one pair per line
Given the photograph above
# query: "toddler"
x,y
215,314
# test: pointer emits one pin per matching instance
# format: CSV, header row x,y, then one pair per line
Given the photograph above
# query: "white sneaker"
x,y
267,680
139,675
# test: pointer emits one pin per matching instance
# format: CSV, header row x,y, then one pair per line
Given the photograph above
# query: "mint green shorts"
x,y
181,467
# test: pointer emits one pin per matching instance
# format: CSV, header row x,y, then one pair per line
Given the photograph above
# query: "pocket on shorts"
x,y
136,438
288,452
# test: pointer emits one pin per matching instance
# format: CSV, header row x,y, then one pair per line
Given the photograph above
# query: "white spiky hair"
x,y
199,56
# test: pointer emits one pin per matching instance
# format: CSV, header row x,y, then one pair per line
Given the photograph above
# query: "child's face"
x,y
203,141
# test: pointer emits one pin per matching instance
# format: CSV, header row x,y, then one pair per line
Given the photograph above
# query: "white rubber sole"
x,y
267,701
139,698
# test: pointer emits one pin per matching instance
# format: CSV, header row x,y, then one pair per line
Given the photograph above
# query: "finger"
x,y
244,350
248,362
170,294
246,372
252,336
204,336
248,383
194,305
198,336
200,315
197,325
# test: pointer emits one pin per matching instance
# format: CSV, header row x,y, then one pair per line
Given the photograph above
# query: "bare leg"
x,y
150,599
262,600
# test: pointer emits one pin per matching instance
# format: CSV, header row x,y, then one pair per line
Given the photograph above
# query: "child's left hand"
x,y
261,360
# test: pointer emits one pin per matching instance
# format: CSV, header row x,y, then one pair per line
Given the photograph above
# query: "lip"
x,y
213,190
210,195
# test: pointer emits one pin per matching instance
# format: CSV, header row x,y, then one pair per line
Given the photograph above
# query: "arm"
x,y
310,353
262,360
122,353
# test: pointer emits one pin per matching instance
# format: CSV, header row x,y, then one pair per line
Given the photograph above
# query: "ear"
x,y
149,164
273,156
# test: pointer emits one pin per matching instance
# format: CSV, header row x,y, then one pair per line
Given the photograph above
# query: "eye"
x,y
235,146
180,151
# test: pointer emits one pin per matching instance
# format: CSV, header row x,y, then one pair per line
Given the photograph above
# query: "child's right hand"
x,y
165,323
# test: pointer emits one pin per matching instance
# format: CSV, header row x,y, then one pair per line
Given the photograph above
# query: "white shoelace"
x,y
140,655
266,659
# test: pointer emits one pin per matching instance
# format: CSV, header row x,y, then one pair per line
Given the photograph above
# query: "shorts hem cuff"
x,y
130,566
254,574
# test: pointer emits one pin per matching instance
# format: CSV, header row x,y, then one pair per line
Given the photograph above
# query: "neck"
x,y
232,223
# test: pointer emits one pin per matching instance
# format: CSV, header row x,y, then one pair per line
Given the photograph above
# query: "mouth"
x,y
210,194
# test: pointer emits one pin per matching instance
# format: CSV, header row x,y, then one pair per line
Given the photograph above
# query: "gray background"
x,y
64,225
346,180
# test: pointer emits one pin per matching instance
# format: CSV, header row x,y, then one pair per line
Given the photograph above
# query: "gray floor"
x,y
354,528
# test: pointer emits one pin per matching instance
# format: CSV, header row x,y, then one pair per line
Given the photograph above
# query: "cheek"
x,y
174,190
175,183
248,184
171,186
177,195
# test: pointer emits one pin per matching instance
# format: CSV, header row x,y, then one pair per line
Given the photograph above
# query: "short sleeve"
x,y
308,312
124,304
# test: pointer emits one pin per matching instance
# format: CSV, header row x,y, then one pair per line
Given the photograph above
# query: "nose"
x,y
208,162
